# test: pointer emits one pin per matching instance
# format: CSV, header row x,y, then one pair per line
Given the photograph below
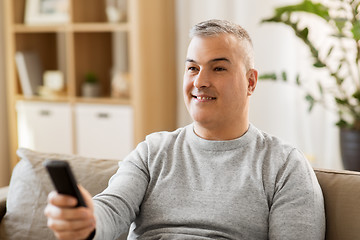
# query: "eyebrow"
x,y
212,60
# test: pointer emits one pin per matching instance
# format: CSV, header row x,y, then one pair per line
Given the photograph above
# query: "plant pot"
x,y
90,90
350,148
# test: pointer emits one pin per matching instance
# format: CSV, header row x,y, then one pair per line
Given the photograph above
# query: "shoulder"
x,y
269,142
278,154
166,137
162,140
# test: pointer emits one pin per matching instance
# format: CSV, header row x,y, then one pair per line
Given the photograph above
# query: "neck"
x,y
221,132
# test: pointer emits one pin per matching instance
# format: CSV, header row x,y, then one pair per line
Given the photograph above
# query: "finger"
x,y
75,225
74,235
61,200
81,213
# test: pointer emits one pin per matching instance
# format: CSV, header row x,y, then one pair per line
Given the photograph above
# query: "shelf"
x,y
23,28
94,100
44,99
99,27
76,27
104,100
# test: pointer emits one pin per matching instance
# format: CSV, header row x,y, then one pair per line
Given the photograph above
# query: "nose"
x,y
202,80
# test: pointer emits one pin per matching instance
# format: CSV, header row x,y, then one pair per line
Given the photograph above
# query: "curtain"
x,y
277,108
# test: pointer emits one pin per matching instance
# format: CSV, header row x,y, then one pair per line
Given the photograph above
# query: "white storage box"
x,y
45,126
104,131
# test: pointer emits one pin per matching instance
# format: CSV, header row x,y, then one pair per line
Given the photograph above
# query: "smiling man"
x,y
217,178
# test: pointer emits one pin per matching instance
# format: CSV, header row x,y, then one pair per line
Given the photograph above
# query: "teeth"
x,y
204,98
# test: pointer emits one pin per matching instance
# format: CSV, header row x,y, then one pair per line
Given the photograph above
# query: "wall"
x,y
4,156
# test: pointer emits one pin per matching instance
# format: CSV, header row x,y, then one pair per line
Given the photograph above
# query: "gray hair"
x,y
215,27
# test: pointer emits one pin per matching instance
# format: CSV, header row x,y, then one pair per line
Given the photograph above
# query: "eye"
x,y
219,69
192,69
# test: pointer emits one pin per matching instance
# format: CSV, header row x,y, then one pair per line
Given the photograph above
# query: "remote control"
x,y
63,179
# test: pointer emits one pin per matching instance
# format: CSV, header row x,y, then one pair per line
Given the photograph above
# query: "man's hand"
x,y
66,221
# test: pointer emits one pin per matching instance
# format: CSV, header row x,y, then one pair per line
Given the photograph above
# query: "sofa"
x,y
22,203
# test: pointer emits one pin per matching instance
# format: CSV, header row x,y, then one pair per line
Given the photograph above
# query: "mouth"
x,y
203,97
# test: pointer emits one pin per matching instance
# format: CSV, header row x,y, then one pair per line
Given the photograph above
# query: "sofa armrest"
x,y
3,196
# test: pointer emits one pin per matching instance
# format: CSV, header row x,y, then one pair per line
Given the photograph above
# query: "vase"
x,y
90,90
350,148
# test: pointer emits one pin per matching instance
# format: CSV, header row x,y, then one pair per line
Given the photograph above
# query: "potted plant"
x,y
90,86
340,59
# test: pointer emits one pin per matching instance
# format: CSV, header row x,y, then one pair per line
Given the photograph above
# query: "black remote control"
x,y
63,179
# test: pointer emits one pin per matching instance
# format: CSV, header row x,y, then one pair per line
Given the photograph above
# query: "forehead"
x,y
211,47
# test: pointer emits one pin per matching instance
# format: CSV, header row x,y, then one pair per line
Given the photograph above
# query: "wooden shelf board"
x,y
99,27
99,100
103,100
23,28
76,27
45,99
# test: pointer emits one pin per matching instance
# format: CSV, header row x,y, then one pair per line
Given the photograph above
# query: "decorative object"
x,y
339,56
30,72
54,80
116,10
120,85
350,148
42,12
54,85
91,86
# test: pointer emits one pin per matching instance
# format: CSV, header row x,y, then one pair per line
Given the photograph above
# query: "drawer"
x,y
45,127
104,131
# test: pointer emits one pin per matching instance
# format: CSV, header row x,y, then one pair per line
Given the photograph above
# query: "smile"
x,y
203,98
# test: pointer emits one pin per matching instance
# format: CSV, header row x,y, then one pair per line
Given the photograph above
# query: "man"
x,y
218,178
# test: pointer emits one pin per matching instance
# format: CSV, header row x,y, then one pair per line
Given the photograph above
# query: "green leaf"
x,y
311,101
272,19
268,76
356,30
298,82
342,124
341,101
90,77
356,95
340,23
330,51
321,90
284,76
304,33
306,6
319,64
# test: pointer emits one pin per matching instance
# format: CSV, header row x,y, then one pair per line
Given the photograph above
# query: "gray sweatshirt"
x,y
176,185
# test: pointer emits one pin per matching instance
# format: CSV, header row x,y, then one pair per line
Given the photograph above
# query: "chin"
x,y
202,119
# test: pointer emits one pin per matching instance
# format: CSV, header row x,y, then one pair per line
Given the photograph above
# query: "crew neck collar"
x,y
221,145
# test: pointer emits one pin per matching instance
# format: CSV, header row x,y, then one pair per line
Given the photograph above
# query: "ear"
x,y
252,77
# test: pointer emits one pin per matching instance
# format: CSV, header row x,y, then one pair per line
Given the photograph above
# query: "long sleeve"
x,y
118,205
297,210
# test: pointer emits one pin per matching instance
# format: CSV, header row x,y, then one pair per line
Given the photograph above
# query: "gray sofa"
x,y
29,186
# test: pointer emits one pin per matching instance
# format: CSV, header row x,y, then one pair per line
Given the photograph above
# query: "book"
x,y
30,72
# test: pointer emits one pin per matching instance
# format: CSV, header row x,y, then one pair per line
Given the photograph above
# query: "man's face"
x,y
216,81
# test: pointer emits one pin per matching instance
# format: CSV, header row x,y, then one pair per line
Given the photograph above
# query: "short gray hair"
x,y
215,27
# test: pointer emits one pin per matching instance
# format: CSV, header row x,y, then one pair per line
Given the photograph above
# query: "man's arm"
x,y
119,204
110,212
297,210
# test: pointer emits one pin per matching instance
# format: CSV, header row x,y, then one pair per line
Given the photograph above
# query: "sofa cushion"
x,y
30,185
341,190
